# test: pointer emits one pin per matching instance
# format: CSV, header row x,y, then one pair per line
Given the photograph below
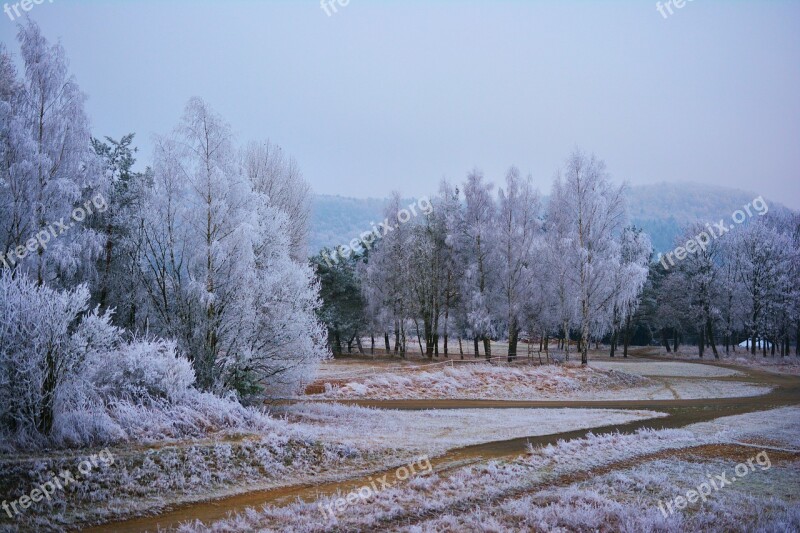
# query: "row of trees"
x,y
496,265
742,287
484,266
206,247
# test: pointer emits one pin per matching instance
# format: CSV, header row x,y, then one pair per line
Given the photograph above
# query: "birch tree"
x,y
217,266
518,228
278,176
48,167
594,210
479,247
629,280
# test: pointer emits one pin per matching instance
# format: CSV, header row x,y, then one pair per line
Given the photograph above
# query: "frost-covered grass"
x,y
463,488
600,483
602,380
627,501
777,427
742,358
255,451
432,432
482,381
665,368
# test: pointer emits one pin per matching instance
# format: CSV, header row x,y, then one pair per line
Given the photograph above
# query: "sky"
x,y
389,95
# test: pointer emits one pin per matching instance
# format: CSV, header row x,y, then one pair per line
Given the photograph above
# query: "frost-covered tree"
x,y
387,275
558,256
121,224
593,212
700,269
629,280
448,215
278,177
478,234
731,292
518,230
47,168
217,266
766,258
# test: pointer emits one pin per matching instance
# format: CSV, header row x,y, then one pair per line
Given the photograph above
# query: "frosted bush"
x,y
46,338
67,378
144,372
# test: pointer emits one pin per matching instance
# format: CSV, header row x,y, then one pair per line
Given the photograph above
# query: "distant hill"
x,y
660,209
336,220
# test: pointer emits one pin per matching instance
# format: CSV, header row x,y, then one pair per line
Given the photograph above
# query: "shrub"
x,y
46,337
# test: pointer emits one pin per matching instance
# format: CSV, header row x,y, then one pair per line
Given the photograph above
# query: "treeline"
x,y
496,265
741,286
485,265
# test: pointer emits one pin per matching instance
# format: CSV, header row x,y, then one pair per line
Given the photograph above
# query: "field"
x,y
413,446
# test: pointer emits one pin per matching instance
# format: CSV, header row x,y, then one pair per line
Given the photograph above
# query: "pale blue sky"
x,y
395,95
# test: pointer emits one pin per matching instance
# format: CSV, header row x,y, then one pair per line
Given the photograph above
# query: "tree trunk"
x,y
386,342
358,343
627,339
403,342
702,344
460,348
547,348
419,340
45,418
710,328
487,347
513,337
337,343
613,343
109,248
477,351
427,326
446,313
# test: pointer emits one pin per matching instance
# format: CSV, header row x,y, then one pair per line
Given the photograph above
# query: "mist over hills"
x,y
660,209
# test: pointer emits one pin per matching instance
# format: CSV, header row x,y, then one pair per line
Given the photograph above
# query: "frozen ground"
x,y
569,486
435,431
602,380
601,483
781,365
665,369
325,442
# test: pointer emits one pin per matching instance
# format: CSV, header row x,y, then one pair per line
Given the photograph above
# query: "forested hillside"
x,y
661,210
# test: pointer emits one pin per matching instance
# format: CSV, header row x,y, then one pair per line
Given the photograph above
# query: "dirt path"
x,y
682,413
